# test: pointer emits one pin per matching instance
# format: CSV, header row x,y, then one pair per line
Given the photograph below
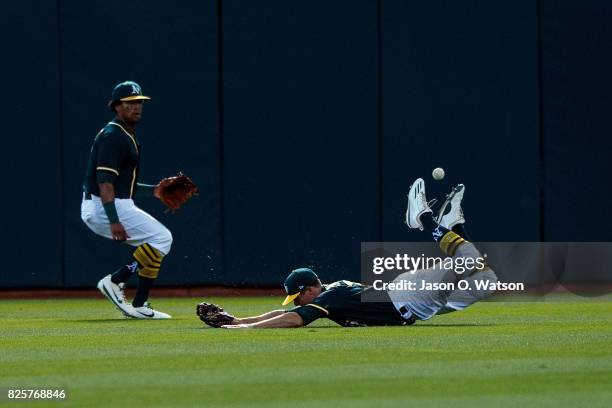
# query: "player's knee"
x,y
165,241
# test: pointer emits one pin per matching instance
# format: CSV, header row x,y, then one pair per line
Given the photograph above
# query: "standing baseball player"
x,y
341,301
108,208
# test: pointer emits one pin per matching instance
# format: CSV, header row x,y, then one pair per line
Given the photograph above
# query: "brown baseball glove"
x,y
175,191
213,315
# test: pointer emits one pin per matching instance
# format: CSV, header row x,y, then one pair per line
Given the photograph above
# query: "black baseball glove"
x,y
213,315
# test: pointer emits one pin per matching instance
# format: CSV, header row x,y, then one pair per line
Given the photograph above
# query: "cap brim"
x,y
290,298
135,98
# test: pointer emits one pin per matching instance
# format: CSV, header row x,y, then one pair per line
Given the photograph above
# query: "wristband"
x,y
111,212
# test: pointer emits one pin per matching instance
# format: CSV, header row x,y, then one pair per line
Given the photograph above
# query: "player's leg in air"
x,y
448,231
452,218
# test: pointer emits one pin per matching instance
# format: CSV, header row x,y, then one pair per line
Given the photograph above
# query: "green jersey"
x,y
116,153
341,302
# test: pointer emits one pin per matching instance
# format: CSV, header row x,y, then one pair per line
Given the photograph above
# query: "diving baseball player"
x,y
108,207
341,301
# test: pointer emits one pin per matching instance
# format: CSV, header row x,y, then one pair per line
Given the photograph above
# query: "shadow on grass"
x,y
348,329
403,327
117,320
311,329
454,325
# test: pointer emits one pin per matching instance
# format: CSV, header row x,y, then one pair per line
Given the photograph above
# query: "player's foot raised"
x,y
115,294
454,216
417,204
146,312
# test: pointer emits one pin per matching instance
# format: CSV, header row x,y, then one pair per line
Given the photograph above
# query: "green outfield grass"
x,y
519,354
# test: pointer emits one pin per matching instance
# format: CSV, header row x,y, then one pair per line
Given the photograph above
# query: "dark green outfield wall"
x,y
304,123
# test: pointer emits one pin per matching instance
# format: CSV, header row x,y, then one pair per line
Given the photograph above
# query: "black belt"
x,y
88,196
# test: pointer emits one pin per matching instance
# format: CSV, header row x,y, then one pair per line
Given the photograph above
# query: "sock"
x,y
450,242
149,261
124,273
142,292
460,229
437,231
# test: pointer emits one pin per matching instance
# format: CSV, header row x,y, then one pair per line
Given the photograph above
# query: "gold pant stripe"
x,y
454,244
453,247
144,260
446,241
455,239
148,253
149,261
148,272
152,253
157,253
143,254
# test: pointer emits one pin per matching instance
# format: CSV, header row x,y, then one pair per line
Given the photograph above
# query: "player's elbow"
x,y
294,320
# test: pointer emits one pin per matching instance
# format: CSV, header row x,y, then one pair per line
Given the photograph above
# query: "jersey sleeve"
x,y
111,151
320,307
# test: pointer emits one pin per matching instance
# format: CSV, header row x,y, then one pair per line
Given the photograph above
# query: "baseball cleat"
x,y
455,214
146,312
417,204
115,294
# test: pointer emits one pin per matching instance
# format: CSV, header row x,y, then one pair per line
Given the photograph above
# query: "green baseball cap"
x,y
297,281
127,91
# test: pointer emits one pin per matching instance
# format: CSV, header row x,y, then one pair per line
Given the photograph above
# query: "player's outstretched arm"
x,y
255,319
145,190
281,321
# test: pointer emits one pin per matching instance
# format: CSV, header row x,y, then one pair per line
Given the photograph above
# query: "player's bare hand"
x,y
118,232
237,326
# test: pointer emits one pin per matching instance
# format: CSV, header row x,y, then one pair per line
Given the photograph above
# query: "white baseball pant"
x,y
140,226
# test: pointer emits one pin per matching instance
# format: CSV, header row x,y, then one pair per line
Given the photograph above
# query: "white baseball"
x,y
438,173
